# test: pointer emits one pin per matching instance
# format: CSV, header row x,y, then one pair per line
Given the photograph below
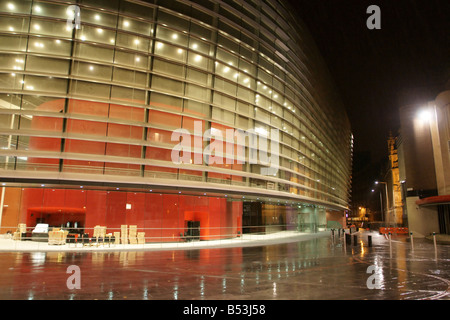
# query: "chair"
x,y
85,239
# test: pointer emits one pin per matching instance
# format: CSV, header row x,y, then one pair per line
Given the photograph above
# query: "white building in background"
x,y
424,165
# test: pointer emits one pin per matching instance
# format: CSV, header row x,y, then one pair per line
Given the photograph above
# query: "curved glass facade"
x,y
92,91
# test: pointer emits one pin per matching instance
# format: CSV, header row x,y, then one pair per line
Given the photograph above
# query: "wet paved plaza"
x,y
314,269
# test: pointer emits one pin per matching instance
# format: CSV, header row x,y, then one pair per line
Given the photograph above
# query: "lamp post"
x,y
387,201
381,205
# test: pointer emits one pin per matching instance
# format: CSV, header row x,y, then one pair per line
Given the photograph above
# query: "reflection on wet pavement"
x,y
321,268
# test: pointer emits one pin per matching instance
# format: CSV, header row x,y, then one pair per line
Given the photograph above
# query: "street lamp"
x,y
385,185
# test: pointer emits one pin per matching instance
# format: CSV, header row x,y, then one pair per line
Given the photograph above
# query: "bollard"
x,y
390,245
434,241
369,240
348,239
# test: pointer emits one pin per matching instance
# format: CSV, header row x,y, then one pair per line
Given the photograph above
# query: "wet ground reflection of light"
x,y
293,271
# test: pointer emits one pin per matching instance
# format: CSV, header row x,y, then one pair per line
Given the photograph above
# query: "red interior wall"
x,y
161,216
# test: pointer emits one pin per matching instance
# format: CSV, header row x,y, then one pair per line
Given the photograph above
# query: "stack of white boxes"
x,y
99,232
22,228
124,234
141,238
132,234
116,237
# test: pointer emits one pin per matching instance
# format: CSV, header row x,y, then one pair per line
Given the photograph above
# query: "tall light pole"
x,y
385,186
381,205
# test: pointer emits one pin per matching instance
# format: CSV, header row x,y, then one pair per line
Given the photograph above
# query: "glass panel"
x,y
225,86
199,46
127,94
168,68
197,92
196,108
90,70
135,9
163,119
130,77
90,89
47,65
168,85
88,107
50,10
224,101
50,28
11,81
166,102
169,51
13,24
48,84
175,37
131,59
132,25
132,42
173,21
199,61
126,112
198,76
50,46
93,52
23,6
99,18
12,61
13,43
223,116
95,34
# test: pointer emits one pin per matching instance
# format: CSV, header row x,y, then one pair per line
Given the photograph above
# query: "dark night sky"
x,y
376,71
